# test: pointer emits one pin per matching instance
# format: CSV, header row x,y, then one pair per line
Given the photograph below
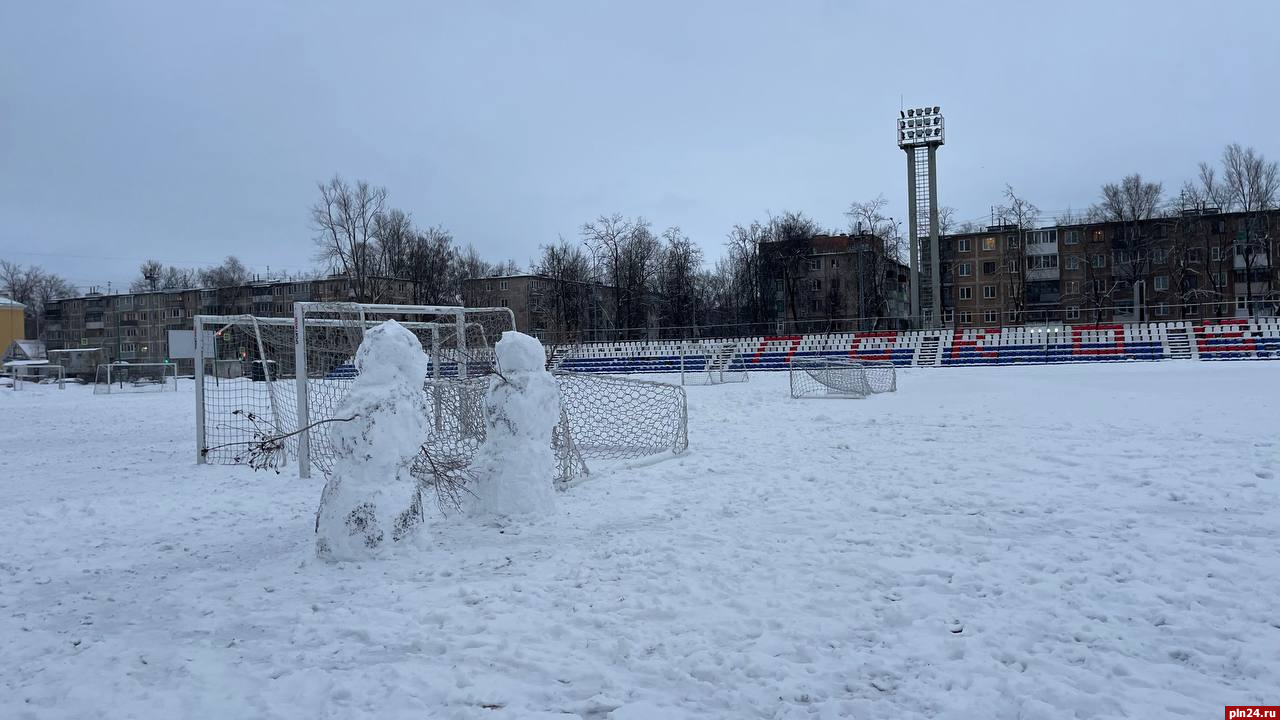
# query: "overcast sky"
x,y
188,131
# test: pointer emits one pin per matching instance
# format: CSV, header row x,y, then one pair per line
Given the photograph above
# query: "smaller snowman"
x,y
370,499
515,466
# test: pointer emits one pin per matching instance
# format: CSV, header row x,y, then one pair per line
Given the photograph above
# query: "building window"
x,y
127,347
1215,254
1099,260
815,284
1220,279
966,293
964,244
814,264
1159,255
125,301
1162,282
966,318
965,270
948,316
1073,237
1073,262
1162,310
488,287
1042,262
1073,287
991,316
988,243
989,292
175,312
1241,302
1099,287
835,263
989,267
1073,312
1011,316
506,302
1190,311
130,332
502,285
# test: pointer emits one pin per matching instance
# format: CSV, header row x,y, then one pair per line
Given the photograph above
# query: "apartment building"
x,y
549,309
135,326
834,282
1197,263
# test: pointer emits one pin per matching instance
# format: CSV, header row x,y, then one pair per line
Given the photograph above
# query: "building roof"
x,y
30,349
7,301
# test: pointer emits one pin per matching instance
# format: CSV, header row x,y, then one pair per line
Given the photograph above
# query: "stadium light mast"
x,y
920,134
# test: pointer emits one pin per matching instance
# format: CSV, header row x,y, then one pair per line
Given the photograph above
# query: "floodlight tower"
x,y
920,134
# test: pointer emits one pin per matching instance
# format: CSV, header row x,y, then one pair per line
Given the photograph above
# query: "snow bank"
x,y
370,498
515,467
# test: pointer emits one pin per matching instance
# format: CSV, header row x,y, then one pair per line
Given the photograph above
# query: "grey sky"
x,y
189,131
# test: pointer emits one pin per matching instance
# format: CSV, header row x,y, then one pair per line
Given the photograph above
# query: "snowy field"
x,y
1026,542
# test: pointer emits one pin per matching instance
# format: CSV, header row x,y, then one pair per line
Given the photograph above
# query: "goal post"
x,y
37,374
828,377
128,377
710,363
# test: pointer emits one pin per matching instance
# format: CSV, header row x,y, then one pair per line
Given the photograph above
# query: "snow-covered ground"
x,y
1025,542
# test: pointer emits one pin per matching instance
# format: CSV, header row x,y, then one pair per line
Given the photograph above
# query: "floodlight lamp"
x,y
911,113
936,109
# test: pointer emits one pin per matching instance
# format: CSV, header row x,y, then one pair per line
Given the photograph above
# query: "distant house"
x,y
24,350
12,321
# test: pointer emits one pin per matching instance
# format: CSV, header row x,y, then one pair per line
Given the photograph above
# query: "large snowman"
x,y
515,466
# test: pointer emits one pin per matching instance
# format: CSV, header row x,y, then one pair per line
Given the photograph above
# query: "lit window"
x,y
988,243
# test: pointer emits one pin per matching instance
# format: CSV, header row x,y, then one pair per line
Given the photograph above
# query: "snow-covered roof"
x,y
8,301
25,350
25,363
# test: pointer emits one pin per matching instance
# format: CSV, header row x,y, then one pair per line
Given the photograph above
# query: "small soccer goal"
x,y
710,363
840,378
36,374
127,377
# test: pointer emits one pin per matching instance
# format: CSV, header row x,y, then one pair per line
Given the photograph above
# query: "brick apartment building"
x,y
832,280
1193,265
134,326
549,309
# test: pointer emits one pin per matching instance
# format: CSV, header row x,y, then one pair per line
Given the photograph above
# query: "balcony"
x,y
1255,261
1040,274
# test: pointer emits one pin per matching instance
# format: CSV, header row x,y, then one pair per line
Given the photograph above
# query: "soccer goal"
x,y
127,377
266,377
710,363
840,378
278,376
37,374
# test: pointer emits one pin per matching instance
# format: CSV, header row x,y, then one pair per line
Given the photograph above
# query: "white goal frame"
x,y
32,374
168,375
828,377
304,316
715,368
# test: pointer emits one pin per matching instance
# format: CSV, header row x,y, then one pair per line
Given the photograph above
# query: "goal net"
x,y
840,378
710,363
126,377
274,376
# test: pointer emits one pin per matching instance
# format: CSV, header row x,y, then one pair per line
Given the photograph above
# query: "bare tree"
x,y
154,275
877,267
566,302
230,273
345,219
1129,203
677,280
1023,215
34,288
1252,185
789,247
